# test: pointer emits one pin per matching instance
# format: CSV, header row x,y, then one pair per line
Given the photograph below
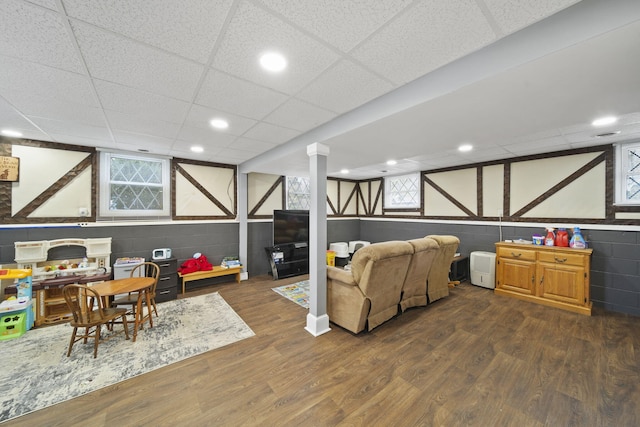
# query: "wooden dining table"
x,y
141,285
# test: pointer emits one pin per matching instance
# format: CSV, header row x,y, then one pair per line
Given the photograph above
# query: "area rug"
x,y
37,373
296,292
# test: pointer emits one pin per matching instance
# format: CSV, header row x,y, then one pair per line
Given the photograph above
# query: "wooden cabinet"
x,y
549,275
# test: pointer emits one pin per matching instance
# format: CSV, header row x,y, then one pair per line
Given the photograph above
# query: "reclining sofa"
x,y
387,277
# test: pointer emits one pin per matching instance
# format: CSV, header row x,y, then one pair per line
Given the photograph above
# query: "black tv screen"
x,y
290,226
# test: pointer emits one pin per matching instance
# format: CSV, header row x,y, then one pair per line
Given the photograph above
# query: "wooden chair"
x,y
88,312
145,269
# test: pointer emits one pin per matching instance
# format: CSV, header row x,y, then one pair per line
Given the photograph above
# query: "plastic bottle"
x,y
550,238
577,241
562,238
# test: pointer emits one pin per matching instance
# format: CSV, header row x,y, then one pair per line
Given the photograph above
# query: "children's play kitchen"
x,y
47,277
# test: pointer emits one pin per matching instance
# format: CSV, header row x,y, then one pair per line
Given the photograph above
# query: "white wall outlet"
x,y
83,211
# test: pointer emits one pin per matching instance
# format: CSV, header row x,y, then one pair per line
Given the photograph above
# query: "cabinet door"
x,y
562,283
516,276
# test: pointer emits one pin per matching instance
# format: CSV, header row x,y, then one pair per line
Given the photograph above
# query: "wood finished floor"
x,y
473,358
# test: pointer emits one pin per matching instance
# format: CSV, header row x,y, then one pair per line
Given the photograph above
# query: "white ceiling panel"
x,y
204,137
344,87
153,144
513,15
54,108
71,128
187,28
299,115
247,144
139,124
234,95
425,37
200,116
271,133
49,82
344,24
119,60
251,32
510,77
35,34
143,104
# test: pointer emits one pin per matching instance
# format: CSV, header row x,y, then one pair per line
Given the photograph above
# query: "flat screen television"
x,y
290,226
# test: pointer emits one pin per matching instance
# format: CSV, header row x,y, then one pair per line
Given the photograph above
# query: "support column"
x,y
243,233
318,319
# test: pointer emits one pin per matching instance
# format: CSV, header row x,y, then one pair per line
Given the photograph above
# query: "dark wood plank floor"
x,y
473,358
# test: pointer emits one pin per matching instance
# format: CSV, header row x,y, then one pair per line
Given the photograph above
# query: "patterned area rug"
x,y
37,372
296,292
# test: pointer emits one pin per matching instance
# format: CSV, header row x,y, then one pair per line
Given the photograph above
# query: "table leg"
x,y
138,316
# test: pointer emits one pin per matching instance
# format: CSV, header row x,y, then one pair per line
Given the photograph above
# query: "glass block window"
x,y
133,186
628,174
298,193
402,192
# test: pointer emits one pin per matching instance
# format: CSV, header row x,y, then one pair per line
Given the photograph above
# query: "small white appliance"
x,y
483,269
354,245
162,253
342,253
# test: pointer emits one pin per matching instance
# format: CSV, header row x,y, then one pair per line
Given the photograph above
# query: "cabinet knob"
x,y
560,260
513,254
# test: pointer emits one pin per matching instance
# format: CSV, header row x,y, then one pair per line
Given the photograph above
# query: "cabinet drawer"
x,y
517,253
564,258
169,294
168,281
167,266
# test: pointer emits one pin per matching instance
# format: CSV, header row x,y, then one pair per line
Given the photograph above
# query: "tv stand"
x,y
289,259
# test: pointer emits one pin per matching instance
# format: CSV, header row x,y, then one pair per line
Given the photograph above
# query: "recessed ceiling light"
x,y
604,121
344,171
197,149
465,148
219,123
11,133
391,162
273,61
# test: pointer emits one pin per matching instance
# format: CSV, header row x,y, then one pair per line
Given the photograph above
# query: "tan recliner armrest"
x,y
340,275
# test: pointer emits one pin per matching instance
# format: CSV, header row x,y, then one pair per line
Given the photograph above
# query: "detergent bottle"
x,y
577,241
562,238
550,238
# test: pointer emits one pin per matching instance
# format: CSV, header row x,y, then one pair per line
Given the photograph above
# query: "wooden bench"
x,y
216,272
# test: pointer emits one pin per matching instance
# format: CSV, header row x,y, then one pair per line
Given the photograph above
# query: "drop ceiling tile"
x,y
253,31
203,136
119,60
228,93
49,4
200,116
188,28
123,122
247,144
53,108
345,87
72,128
46,81
11,119
67,138
271,133
143,104
299,115
525,146
340,23
517,14
426,36
134,142
35,34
